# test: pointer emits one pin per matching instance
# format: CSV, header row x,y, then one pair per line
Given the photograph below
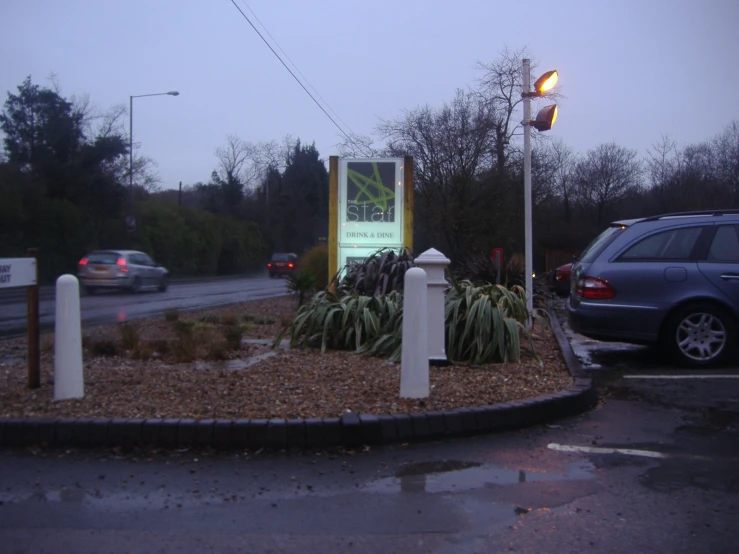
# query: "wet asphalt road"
x,y
655,468
114,306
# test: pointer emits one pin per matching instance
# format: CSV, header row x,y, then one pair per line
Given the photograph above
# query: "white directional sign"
x,y
17,272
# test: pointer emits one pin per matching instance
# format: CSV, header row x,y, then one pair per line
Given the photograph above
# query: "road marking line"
x,y
680,376
600,450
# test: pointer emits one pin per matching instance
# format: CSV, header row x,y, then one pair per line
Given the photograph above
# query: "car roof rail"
x,y
698,213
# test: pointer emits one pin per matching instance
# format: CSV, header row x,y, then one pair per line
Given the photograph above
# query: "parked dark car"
x,y
562,279
282,264
670,280
121,269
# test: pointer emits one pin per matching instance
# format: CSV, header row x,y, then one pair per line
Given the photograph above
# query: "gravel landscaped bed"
x,y
300,383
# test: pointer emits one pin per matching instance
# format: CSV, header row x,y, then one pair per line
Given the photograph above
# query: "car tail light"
x,y
269,264
291,266
83,261
120,261
592,288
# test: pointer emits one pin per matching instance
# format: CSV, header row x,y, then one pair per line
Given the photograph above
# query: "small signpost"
x,y
23,272
498,260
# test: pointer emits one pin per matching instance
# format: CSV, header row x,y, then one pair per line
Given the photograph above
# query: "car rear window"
x,y
600,242
725,245
281,258
109,258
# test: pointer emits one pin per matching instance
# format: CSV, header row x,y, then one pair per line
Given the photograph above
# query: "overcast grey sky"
x,y
631,70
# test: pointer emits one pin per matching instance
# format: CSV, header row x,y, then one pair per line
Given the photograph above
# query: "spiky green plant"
x,y
484,323
302,284
366,324
381,272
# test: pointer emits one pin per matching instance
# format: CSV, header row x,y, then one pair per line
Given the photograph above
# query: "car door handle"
x,y
730,276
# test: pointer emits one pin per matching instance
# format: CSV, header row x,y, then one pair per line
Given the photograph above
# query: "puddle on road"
x,y
455,476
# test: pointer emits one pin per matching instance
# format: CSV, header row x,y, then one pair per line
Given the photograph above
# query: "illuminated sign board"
x,y
371,207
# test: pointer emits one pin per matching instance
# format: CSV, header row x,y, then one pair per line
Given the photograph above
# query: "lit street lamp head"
x,y
545,118
546,82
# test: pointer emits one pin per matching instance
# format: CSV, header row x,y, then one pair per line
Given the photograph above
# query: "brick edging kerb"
x,y
351,429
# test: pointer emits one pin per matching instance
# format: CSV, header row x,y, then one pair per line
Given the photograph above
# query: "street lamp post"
x,y
543,122
130,220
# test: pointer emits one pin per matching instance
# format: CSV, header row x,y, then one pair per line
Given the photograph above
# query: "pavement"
x,y
350,430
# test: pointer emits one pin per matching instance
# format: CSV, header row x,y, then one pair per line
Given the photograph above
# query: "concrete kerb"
x,y
349,430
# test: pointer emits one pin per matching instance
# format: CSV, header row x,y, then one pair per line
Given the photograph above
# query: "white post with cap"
x,y
68,377
414,362
434,263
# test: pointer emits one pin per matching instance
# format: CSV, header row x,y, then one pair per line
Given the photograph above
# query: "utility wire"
x,y
295,77
297,68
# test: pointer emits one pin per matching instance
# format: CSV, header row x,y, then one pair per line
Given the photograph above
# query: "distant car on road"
x,y
129,270
282,264
671,280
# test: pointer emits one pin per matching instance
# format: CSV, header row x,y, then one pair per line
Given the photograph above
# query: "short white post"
x,y
68,377
434,263
414,360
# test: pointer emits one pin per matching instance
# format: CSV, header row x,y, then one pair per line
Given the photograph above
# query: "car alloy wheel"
x,y
701,335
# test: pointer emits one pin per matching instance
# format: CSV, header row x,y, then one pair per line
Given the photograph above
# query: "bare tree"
x,y
232,157
564,160
359,146
605,175
501,85
726,150
451,151
663,167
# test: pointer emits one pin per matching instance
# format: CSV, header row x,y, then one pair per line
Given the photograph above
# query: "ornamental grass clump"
x,y
485,323
378,274
366,324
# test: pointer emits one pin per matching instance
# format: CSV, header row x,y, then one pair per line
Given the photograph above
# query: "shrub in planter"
x,y
315,261
381,272
484,323
366,324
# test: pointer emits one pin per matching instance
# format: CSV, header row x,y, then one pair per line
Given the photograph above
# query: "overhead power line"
x,y
305,79
349,138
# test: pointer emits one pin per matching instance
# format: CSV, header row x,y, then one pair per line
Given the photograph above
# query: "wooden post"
x,y
333,216
34,359
408,202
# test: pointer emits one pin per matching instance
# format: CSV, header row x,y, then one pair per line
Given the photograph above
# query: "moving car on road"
x,y
282,264
671,280
121,269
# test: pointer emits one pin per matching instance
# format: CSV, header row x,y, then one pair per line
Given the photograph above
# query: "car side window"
x,y
146,260
673,244
137,259
725,245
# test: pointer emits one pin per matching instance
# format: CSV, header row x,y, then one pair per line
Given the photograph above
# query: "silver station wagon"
x,y
671,280
128,270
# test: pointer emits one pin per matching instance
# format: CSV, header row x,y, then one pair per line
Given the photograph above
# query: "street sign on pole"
x,y
17,272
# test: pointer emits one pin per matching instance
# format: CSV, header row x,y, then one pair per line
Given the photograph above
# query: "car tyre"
x,y
163,283
136,285
700,335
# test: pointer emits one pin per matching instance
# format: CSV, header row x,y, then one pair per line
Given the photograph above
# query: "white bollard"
x,y
414,358
68,378
434,264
